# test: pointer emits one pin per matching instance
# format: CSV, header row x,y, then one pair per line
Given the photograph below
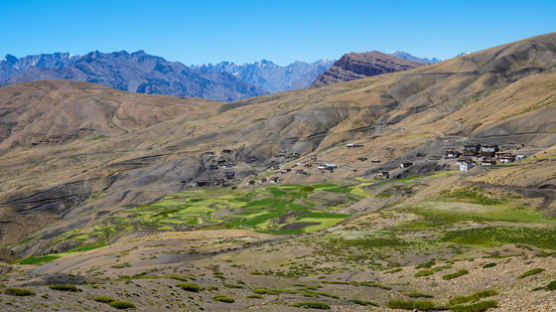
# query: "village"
x,y
224,169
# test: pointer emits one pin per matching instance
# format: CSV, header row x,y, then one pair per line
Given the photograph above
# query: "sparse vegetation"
x,y
38,259
531,272
455,274
474,297
419,295
65,287
189,287
103,299
476,307
489,265
19,292
223,298
363,303
423,305
122,305
312,304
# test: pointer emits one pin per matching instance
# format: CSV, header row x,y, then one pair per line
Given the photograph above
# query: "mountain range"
x,y
143,73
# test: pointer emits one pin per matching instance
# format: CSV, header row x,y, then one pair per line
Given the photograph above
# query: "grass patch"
x,y
122,305
255,296
312,304
189,287
502,235
477,307
104,299
12,291
38,260
474,297
424,305
489,265
531,272
65,287
470,195
454,275
223,298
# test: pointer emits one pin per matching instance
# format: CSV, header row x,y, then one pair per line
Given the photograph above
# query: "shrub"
x,y
424,305
419,295
189,287
212,288
254,297
455,274
122,305
474,297
19,292
489,265
531,272
104,299
65,287
312,304
223,298
477,307
551,286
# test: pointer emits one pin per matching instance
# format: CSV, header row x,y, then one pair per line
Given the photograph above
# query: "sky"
x,y
198,32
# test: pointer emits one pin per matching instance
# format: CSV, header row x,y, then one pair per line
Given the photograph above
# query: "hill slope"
x,y
128,204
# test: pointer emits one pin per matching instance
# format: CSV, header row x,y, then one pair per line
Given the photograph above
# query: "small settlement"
x,y
482,155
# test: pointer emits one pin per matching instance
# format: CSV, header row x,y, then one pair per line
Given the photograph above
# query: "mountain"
x,y
406,56
126,195
270,77
359,65
136,72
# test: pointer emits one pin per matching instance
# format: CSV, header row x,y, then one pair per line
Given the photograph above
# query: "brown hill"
x,y
353,66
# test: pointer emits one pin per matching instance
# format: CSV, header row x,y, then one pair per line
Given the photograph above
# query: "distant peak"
x,y
10,59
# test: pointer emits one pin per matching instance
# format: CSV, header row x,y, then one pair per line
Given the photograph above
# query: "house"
x,y
300,171
227,151
488,162
228,166
520,157
375,161
465,165
252,158
203,183
505,154
212,167
385,174
473,148
351,145
250,182
274,179
208,154
362,158
506,159
478,158
229,175
275,168
406,165
489,148
263,180
313,158
451,154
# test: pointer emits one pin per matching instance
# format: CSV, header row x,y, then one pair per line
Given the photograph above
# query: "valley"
x,y
341,197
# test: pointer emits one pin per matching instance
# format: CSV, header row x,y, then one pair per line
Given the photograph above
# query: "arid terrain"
x,y
347,197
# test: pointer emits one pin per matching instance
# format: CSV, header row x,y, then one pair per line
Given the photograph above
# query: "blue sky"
x,y
195,32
